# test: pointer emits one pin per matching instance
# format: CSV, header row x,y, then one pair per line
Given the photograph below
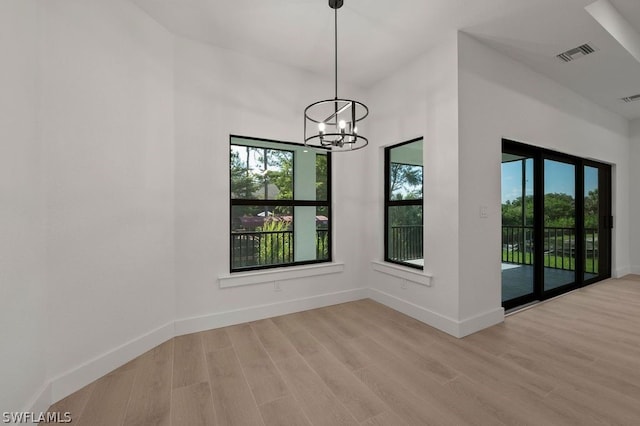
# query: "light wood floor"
x,y
573,360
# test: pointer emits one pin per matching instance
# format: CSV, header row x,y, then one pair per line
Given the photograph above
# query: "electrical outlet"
x,y
484,212
276,286
404,284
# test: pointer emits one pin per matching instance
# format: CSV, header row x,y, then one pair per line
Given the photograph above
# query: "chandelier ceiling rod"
x,y
335,50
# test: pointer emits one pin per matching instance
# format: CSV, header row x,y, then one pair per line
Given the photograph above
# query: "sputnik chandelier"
x,y
332,124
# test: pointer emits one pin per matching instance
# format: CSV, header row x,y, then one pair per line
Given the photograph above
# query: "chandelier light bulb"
x,y
321,127
342,124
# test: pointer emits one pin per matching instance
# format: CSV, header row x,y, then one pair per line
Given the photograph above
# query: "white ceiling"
x,y
377,37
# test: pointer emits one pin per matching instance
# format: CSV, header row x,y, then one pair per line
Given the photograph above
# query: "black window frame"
x,y
277,203
388,203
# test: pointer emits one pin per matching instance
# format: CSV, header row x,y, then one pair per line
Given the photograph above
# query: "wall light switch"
x,y
484,212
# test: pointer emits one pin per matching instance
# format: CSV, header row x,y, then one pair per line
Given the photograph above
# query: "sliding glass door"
x,y
556,223
517,226
559,231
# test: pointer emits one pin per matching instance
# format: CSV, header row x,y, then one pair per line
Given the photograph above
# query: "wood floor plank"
x,y
381,311
337,323
73,404
232,400
615,312
214,340
339,312
463,410
153,377
412,409
621,378
189,365
457,356
108,401
595,410
571,343
634,277
283,412
274,342
263,377
304,342
320,405
615,393
599,322
626,288
339,346
288,323
603,378
402,340
599,347
493,344
359,400
513,409
388,418
608,297
193,405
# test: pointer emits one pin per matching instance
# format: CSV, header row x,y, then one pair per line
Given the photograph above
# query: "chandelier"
x,y
332,124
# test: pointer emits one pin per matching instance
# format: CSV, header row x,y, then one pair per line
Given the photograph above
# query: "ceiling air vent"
x,y
633,98
576,52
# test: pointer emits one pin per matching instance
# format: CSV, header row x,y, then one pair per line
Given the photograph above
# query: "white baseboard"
x,y
619,273
73,380
441,322
41,400
481,321
434,319
67,383
254,313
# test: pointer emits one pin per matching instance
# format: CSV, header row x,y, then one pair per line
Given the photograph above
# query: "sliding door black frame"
x,y
539,155
605,221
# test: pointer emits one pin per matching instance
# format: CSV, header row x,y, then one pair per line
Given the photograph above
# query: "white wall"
x,y
22,286
634,197
107,128
419,100
501,98
219,93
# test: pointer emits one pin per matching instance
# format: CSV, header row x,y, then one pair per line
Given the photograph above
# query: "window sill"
x,y
280,274
413,275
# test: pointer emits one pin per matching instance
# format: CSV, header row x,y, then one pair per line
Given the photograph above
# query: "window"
x,y
403,237
280,204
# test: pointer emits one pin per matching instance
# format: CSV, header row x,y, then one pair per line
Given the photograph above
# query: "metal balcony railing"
x,y
406,242
260,248
559,247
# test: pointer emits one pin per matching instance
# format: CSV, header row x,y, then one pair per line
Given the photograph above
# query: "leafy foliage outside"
x,y
559,245
558,210
405,181
276,245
